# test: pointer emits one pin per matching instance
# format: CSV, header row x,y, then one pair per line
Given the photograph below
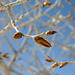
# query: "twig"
x,y
12,20
21,17
17,2
57,63
3,66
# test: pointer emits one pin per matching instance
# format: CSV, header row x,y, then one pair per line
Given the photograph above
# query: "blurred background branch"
x,y
36,17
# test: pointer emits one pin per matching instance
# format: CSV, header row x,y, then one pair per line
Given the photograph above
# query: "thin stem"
x,y
17,2
28,36
3,67
33,36
12,20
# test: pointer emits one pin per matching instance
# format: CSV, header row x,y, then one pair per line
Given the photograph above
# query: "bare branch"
x,y
3,67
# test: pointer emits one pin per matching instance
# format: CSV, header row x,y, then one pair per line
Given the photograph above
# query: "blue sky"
x,y
56,50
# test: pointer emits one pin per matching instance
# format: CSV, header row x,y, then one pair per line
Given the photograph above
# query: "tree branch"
x,y
3,66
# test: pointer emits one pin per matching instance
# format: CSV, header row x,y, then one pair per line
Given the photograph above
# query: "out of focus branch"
x,y
17,2
22,16
3,67
57,63
12,20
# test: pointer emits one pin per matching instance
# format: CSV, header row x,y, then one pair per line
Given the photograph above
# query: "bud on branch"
x,y
46,3
63,64
42,41
51,32
49,60
5,55
55,65
18,35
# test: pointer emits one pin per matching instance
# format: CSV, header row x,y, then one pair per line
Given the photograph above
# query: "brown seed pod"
x,y
51,32
42,41
46,3
18,35
63,64
49,60
55,65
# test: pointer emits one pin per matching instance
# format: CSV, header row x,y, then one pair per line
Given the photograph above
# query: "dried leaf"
x,y
55,65
63,64
51,32
18,35
42,42
49,60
